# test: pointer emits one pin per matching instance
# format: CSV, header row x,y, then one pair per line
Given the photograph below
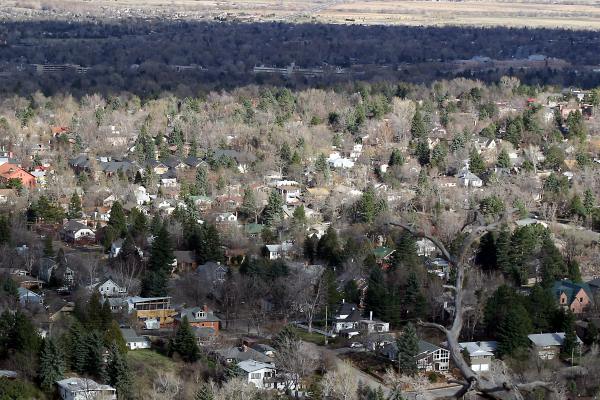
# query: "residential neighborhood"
x,y
301,244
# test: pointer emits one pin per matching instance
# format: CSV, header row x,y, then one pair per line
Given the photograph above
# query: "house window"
x,y
581,299
200,314
563,300
255,375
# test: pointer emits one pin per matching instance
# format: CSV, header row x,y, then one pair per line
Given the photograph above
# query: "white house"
x,y
226,217
110,288
277,251
168,182
548,345
480,354
141,196
347,319
135,341
258,373
425,247
27,297
74,231
469,179
371,325
85,389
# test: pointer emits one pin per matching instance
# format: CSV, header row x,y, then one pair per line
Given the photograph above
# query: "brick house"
x,y
576,297
10,171
199,317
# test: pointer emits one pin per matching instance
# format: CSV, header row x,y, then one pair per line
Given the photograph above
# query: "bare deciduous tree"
x,y
497,386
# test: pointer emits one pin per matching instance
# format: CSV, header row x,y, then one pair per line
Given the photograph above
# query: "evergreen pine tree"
x,y
513,331
184,343
74,207
408,348
52,365
118,373
114,337
4,230
396,158
77,347
417,126
422,153
542,308
274,209
94,360
570,346
118,221
476,163
201,184
248,206
503,159
48,247
156,279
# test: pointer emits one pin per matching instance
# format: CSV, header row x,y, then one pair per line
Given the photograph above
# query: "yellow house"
x,y
152,308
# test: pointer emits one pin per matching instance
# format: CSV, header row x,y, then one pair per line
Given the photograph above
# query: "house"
x,y
10,171
48,266
258,373
109,288
29,298
201,317
115,248
548,345
429,358
425,247
84,389
469,179
141,196
133,340
369,326
346,319
204,336
290,193
264,349
213,272
226,217
76,232
237,354
243,160
383,255
253,230
576,297
277,251
151,308
480,354
186,260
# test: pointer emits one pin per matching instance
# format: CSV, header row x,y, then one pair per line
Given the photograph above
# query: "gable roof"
x,y
570,289
252,365
480,349
549,339
242,354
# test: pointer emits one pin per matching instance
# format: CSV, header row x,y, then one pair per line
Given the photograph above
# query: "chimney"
x,y
370,315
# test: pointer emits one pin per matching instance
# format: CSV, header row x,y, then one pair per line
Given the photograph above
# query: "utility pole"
x,y
326,332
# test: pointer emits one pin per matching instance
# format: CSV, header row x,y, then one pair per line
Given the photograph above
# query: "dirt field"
x,y
576,14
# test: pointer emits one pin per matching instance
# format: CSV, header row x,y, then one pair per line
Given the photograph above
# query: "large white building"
x,y
258,373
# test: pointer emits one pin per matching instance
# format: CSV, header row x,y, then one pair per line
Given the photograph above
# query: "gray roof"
x,y
549,339
252,365
191,312
82,385
241,354
74,226
131,336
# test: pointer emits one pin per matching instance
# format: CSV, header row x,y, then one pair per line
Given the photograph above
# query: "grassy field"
x,y
576,14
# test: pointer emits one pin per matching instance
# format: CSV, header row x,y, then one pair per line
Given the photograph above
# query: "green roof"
x,y
382,252
571,289
253,229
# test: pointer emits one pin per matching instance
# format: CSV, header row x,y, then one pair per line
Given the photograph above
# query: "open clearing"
x,y
576,14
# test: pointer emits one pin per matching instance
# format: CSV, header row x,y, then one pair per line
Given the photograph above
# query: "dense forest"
x,y
123,56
